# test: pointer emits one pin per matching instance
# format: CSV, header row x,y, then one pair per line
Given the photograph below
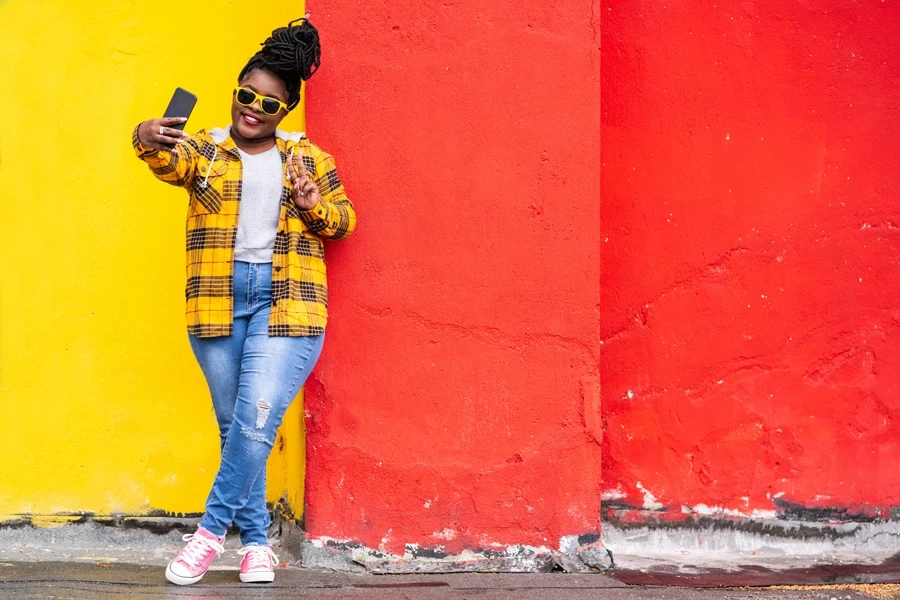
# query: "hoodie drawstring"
x,y
205,181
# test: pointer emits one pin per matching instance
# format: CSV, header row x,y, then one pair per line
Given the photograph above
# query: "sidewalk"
x,y
81,581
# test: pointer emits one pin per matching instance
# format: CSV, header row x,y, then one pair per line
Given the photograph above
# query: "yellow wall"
x,y
102,406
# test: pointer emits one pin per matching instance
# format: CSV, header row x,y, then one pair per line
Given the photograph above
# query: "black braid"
x,y
292,54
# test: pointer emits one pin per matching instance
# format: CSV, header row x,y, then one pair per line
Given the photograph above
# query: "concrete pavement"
x,y
90,581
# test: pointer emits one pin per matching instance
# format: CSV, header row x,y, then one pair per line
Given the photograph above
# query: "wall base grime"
x,y
159,522
156,521
651,540
351,556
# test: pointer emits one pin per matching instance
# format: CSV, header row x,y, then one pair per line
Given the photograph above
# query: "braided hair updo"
x,y
292,54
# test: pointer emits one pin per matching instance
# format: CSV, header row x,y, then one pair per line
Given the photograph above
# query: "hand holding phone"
x,y
180,106
165,133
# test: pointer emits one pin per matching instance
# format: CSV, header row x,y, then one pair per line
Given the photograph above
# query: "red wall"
x,y
456,403
751,240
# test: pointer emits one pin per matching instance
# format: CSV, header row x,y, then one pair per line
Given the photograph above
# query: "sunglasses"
x,y
269,105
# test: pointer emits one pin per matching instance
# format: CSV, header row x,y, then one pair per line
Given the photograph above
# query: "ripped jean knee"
x,y
263,408
255,435
261,431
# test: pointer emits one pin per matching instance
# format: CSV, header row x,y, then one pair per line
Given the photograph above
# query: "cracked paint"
x,y
650,502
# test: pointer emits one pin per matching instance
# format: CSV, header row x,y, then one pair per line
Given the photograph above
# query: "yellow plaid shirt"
x,y
209,167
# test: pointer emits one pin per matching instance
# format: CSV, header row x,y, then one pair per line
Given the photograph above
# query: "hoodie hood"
x,y
220,134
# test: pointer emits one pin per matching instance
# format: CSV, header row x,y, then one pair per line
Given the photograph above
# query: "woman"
x,y
261,202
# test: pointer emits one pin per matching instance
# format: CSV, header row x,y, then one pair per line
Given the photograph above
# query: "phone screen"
x,y
181,105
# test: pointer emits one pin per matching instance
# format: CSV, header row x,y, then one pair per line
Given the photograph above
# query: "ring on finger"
x,y
161,128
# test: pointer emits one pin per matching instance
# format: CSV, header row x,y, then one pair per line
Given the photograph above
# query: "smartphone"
x,y
181,105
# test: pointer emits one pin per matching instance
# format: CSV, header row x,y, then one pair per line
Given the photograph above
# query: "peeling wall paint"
x,y
104,409
750,253
456,405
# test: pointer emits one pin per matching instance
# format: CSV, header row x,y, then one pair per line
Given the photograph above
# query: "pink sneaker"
x,y
258,564
194,559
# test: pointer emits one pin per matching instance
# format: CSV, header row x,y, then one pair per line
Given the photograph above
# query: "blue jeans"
x,y
252,379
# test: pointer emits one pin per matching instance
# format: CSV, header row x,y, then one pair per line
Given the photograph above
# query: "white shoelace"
x,y
197,549
259,556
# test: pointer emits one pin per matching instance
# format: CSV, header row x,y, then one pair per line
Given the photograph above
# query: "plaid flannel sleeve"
x,y
176,168
333,216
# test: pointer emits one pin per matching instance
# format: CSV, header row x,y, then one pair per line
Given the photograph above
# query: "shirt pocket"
x,y
208,187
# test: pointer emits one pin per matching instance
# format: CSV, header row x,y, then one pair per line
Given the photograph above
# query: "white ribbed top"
x,y
260,206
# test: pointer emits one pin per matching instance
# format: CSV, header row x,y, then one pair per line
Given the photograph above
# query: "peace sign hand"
x,y
304,191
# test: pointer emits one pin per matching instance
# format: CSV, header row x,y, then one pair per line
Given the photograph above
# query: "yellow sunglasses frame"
x,y
260,98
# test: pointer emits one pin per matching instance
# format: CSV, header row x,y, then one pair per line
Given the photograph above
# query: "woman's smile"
x,y
251,120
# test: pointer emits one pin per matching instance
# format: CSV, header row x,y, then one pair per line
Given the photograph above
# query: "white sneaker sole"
x,y
258,577
178,579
